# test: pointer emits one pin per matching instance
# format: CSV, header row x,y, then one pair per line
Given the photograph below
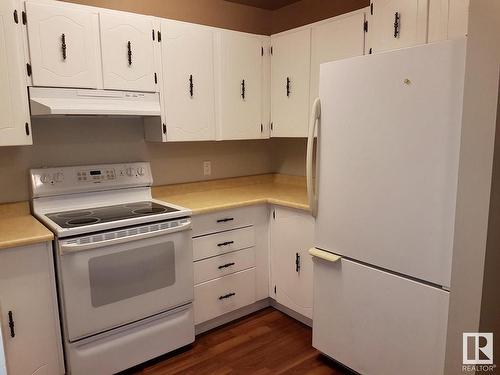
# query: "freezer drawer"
x,y
378,323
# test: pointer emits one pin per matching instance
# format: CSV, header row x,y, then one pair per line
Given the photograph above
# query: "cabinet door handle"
x,y
397,24
243,89
129,53
225,220
297,262
227,296
63,46
225,243
11,325
191,85
227,265
288,86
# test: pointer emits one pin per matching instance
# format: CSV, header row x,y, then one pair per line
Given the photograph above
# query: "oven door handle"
x,y
68,248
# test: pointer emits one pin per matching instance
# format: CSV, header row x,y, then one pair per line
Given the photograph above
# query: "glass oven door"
x,y
114,278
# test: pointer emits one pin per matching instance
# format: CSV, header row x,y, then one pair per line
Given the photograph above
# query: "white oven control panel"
x,y
67,180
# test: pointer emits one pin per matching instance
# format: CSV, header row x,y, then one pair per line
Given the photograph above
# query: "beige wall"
x,y
217,13
307,11
234,16
66,141
475,176
59,142
490,303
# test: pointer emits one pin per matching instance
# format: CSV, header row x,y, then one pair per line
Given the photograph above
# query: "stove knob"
x,y
59,177
130,172
141,171
45,178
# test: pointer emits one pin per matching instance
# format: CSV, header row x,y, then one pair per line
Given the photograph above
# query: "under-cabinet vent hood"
x,y
80,102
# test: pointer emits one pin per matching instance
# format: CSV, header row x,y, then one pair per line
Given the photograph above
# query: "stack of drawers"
x,y
224,263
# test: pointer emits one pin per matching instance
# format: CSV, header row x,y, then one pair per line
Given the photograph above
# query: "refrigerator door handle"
x,y
312,197
324,255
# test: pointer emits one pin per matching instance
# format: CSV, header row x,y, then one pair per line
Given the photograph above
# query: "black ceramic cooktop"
x,y
78,218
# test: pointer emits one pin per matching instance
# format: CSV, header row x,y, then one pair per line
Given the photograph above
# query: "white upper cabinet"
x,y
14,111
339,38
239,70
127,49
290,70
63,44
396,24
292,235
447,19
188,81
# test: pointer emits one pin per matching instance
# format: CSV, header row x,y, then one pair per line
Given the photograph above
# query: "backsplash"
x,y
88,140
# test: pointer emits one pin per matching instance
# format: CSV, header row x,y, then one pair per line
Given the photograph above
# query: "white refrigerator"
x,y
388,134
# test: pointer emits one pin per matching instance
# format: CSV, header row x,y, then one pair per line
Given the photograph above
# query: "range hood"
x,y
46,101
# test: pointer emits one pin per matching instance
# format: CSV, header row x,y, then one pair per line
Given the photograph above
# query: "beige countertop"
x,y
209,196
18,227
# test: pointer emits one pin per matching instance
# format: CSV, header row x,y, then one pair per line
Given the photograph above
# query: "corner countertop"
x,y
19,228
209,196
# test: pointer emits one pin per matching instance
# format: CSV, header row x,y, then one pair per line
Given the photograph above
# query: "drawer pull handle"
x,y
225,220
227,265
225,243
229,295
11,325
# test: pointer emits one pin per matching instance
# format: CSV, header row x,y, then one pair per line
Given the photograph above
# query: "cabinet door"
x,y
292,235
396,24
240,88
14,111
188,81
63,45
127,50
290,70
27,290
338,39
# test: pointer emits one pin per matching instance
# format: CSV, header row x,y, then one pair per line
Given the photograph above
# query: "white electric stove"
x,y
124,264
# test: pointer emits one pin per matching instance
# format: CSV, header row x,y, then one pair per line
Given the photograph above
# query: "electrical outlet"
x,y
207,168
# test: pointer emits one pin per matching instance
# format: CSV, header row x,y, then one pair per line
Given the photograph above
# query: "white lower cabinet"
x,y
231,260
376,322
223,295
292,235
28,311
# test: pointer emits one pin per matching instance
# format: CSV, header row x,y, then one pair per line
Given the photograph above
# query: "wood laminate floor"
x,y
266,342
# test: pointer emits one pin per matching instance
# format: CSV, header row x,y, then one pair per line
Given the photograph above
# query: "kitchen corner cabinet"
x,y
127,50
290,70
339,38
188,95
64,45
394,24
14,111
28,310
239,66
292,235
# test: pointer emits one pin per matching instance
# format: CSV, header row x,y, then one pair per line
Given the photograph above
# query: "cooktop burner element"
x,y
89,216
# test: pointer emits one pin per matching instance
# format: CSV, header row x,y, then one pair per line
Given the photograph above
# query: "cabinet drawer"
x,y
221,243
222,265
223,295
222,220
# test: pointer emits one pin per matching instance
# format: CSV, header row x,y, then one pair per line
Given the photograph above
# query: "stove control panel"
x,y
67,180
